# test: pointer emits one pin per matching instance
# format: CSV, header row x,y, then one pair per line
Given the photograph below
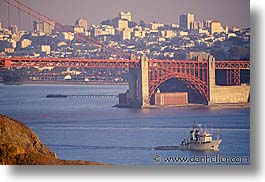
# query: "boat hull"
x,y
213,145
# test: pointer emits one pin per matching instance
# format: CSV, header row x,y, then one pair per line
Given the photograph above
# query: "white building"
x,y
125,16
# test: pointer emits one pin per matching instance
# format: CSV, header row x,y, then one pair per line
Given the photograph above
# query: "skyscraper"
x,y
186,21
216,27
122,24
125,16
41,26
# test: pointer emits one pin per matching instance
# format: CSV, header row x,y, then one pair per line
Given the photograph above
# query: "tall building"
x,y
122,24
200,24
207,24
125,16
194,25
216,27
125,34
41,26
186,21
197,25
81,22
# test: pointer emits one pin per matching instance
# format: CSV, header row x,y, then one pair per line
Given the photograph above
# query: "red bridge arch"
x,y
193,73
191,81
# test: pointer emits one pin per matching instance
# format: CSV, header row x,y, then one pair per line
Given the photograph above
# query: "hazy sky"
x,y
229,12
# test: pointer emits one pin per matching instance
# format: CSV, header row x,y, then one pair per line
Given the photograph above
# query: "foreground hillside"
x,y
19,145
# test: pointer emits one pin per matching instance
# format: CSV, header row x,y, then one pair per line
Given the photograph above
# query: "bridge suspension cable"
x,y
22,7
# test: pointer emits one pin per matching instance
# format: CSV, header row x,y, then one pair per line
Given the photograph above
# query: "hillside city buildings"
x,y
155,39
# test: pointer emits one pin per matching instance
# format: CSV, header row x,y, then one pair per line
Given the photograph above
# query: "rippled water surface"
x,y
91,129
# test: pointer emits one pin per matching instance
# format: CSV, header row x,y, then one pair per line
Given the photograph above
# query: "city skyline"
x,y
156,39
236,14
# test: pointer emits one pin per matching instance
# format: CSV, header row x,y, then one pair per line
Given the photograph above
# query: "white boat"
x,y
199,140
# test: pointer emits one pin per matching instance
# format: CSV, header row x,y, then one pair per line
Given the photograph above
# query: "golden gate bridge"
x,y
194,72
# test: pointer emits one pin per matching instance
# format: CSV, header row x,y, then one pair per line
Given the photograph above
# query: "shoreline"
x,y
192,105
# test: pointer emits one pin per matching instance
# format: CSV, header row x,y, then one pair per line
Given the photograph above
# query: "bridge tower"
x,y
7,63
230,94
211,76
139,84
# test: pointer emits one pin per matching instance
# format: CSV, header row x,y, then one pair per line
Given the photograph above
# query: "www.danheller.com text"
x,y
201,159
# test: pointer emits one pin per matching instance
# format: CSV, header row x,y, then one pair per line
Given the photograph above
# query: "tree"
x,y
132,24
143,24
219,53
238,52
11,79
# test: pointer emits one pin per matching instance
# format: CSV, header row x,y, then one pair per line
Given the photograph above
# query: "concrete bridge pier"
x,y
138,95
236,94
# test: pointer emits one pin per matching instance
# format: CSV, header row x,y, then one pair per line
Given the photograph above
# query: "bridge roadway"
x,y
67,62
145,76
111,63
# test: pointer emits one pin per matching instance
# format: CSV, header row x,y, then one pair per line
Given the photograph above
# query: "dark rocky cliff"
x,y
19,145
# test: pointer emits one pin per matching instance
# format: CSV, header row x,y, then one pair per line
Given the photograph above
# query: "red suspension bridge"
x,y
195,73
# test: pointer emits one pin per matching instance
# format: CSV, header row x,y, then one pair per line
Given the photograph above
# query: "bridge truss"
x,y
194,73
